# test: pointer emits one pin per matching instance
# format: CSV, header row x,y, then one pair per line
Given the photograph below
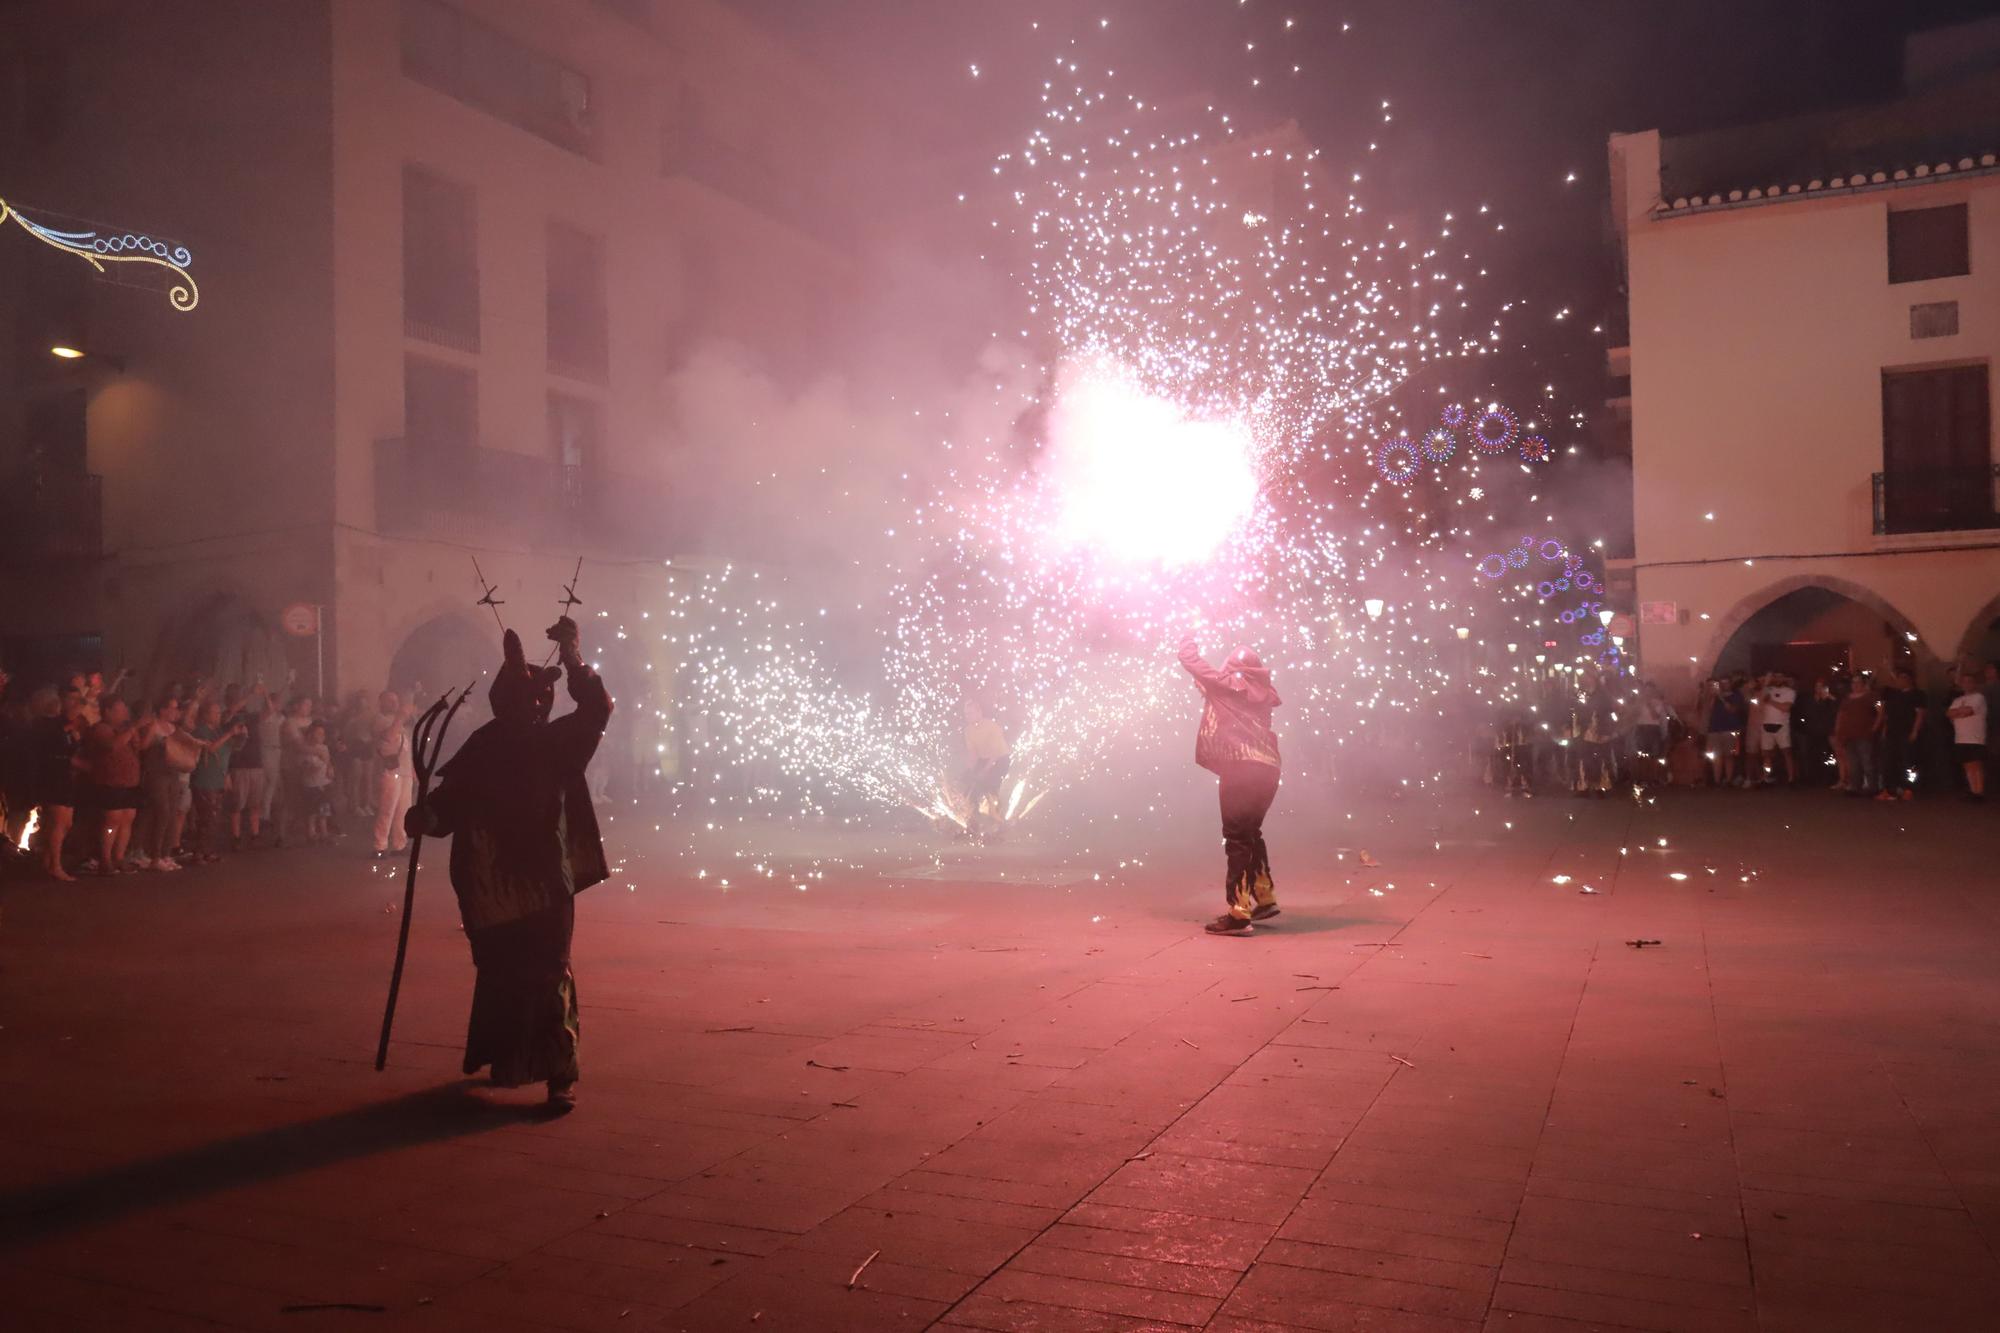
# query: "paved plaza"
x,y
1445,1094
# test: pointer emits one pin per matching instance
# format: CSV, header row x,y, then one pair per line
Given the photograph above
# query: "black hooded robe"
x,y
524,843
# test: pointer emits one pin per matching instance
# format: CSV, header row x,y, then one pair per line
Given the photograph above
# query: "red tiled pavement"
x,y
1442,1094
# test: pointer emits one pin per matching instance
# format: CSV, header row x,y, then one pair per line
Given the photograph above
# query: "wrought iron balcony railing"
x,y
1946,499
467,493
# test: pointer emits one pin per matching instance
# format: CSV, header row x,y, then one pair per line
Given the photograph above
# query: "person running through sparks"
x,y
516,806
1236,744
989,754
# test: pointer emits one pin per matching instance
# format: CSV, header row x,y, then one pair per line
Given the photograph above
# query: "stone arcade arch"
x,y
221,637
1805,622
446,651
1981,641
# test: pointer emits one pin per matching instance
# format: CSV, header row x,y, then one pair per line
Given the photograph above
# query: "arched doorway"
x,y
1810,629
445,652
222,639
1980,646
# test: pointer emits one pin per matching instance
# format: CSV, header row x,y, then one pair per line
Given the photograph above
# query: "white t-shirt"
x,y
1970,729
1778,706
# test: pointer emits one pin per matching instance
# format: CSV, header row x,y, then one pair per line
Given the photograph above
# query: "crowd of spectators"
x,y
1887,739
95,783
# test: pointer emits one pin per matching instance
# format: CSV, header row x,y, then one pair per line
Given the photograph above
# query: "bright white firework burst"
x,y
1222,328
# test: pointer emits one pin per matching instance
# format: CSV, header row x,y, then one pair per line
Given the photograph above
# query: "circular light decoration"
x,y
1453,415
1493,566
1593,638
1567,617
1527,543
1545,590
1517,558
1439,444
1552,551
1398,462
1534,449
1496,430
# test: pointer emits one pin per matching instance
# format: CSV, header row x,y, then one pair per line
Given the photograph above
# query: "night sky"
x,y
1494,102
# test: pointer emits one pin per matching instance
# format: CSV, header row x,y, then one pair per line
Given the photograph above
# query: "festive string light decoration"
x,y
97,250
1493,432
1398,462
1496,430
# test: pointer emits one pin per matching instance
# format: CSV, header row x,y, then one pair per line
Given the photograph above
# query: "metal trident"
x,y
427,742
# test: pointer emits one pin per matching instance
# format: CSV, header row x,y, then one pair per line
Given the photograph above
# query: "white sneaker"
x,y
164,863
139,862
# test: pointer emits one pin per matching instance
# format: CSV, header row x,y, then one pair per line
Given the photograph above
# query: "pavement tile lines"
x,y
1504,1118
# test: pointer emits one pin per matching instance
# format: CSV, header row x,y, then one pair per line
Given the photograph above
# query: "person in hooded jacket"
x,y
524,836
1236,743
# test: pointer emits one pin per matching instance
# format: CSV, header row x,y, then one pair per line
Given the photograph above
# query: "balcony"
x,y
51,517
480,496
1951,499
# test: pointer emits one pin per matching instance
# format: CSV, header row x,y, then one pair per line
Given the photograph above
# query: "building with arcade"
x,y
449,253
1814,314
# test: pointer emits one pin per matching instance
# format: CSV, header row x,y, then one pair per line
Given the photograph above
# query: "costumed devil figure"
x,y
1236,743
524,843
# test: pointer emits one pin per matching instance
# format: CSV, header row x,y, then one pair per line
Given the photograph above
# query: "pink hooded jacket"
x,y
1236,711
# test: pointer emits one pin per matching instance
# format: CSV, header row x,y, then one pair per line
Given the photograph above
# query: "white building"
x,y
1815,315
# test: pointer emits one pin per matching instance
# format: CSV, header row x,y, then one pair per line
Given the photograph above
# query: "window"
x,y
440,405
576,435
579,340
1937,455
681,136
1928,243
57,438
485,68
440,261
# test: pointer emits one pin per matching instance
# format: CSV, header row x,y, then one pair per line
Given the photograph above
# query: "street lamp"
x,y
1606,616
1513,647
1463,632
1373,606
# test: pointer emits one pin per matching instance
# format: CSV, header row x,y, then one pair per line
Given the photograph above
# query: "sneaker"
x,y
1265,913
562,1097
1228,925
163,864
138,863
